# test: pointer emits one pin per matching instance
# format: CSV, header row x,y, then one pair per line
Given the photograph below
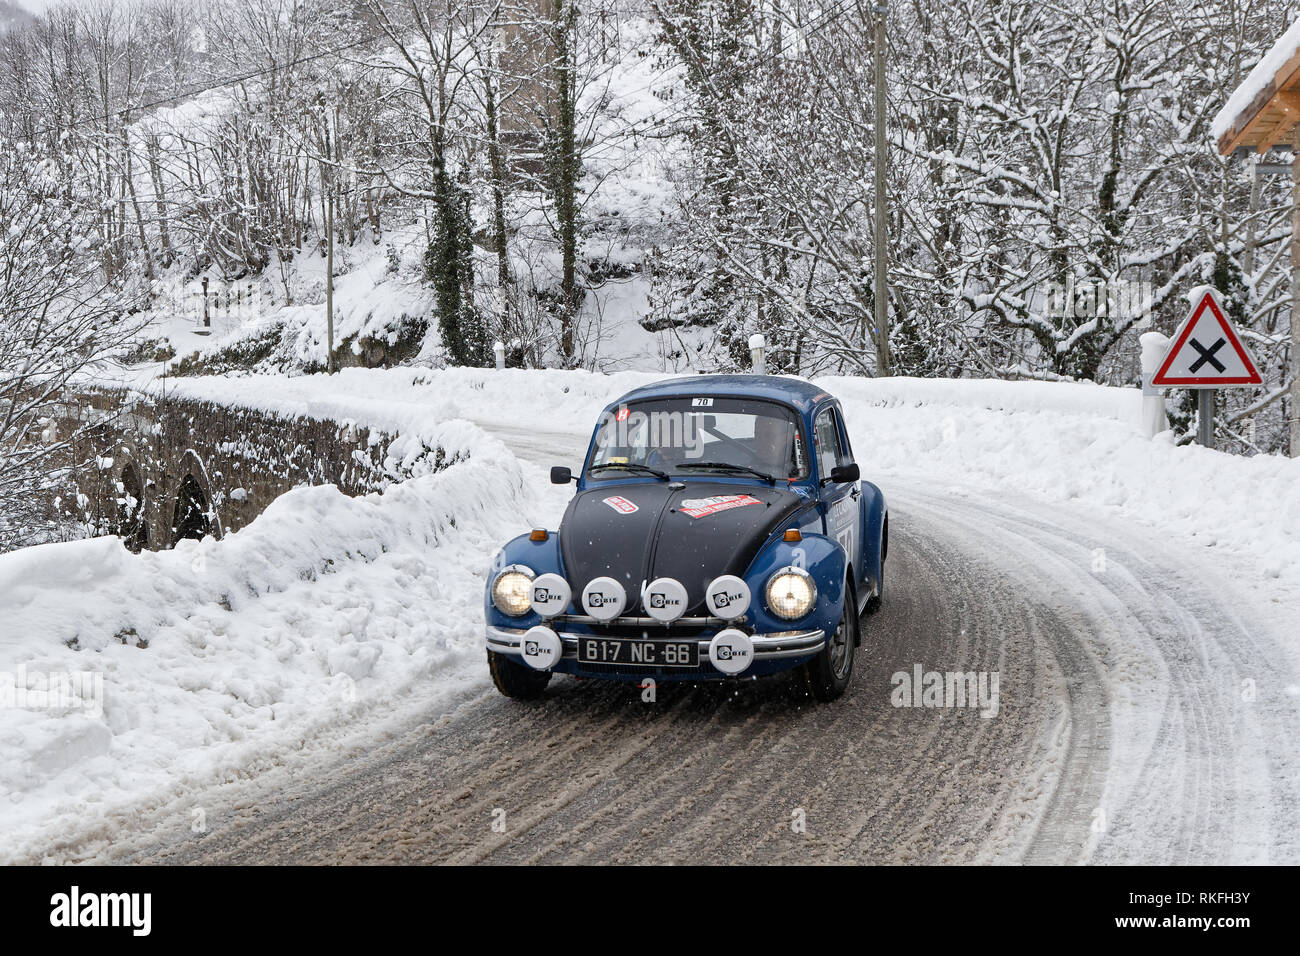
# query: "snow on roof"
x,y
1257,81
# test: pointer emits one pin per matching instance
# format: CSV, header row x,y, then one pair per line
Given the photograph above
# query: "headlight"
x,y
791,593
512,591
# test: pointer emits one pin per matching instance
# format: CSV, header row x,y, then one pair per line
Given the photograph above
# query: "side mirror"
x,y
843,474
560,475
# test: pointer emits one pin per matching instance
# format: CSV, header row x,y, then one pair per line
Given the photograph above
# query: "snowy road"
x,y
1122,733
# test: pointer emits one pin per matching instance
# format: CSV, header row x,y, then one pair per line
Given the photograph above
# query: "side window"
x,y
846,450
827,437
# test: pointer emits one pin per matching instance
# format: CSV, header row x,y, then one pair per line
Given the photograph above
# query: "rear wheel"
x,y
828,673
516,680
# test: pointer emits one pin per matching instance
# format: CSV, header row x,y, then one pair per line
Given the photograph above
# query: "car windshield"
x,y
700,436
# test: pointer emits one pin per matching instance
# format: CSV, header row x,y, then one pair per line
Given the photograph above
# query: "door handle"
x,y
855,494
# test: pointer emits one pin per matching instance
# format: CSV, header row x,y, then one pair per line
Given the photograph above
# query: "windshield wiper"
x,y
728,466
629,466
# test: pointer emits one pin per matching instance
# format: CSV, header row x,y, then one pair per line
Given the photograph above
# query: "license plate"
x,y
603,650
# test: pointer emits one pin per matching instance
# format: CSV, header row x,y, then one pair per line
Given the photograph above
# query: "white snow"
x,y
1257,80
1082,444
629,204
1154,346
327,610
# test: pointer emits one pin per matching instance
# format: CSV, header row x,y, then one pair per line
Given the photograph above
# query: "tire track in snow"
x,y
1112,698
1199,771
1062,831
594,774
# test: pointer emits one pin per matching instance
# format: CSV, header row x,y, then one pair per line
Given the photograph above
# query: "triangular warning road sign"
x,y
1207,352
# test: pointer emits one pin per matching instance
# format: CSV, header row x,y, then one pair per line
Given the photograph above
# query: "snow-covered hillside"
x,y
382,295
328,615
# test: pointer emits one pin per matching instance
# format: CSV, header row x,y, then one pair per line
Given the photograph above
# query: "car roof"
x,y
798,392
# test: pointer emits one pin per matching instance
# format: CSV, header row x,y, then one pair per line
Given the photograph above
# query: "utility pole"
x,y
1294,447
327,187
329,283
881,286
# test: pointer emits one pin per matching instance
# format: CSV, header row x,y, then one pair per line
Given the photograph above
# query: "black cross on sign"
x,y
1207,355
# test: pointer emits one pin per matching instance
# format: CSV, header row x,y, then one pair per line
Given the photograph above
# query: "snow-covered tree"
x,y
58,318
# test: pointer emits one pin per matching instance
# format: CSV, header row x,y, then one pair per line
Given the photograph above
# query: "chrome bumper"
x,y
767,647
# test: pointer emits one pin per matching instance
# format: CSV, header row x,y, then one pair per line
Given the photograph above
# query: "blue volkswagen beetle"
x,y
720,530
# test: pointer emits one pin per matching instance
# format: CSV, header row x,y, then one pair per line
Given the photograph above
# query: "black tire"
x,y
828,674
517,680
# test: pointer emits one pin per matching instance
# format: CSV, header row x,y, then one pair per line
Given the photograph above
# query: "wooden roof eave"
x,y
1270,116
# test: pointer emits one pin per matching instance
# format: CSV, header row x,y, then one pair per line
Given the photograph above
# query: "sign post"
x,y
1206,353
1205,417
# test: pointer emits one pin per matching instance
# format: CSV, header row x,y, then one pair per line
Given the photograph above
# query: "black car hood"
x,y
640,532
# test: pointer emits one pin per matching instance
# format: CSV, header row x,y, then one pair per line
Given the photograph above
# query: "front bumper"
x,y
772,651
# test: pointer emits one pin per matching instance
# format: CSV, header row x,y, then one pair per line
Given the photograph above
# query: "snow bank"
x,y
1057,441
173,669
327,610
1078,443
406,400
1082,444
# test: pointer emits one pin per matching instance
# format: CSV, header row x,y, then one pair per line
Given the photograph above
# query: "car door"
x,y
839,501
858,555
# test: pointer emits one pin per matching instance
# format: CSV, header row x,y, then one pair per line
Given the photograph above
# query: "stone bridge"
x,y
156,471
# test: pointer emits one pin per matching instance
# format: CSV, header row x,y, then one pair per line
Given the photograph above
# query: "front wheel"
x,y
873,603
828,673
516,680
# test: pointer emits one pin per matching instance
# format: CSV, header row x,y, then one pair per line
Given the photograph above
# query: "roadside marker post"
x,y
1206,353
1154,417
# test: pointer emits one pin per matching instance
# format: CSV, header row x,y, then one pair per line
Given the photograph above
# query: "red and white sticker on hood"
x,y
621,504
702,507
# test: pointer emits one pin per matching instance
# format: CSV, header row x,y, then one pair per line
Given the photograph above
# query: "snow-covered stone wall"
x,y
157,469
